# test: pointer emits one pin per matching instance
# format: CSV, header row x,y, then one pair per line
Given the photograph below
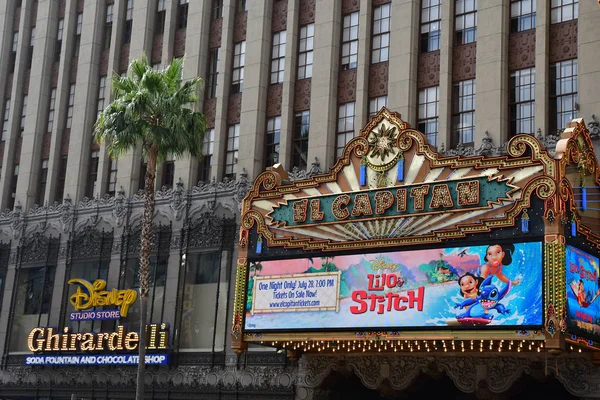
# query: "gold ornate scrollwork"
x,y
239,302
359,145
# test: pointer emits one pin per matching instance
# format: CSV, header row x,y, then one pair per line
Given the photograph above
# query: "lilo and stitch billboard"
x,y
496,285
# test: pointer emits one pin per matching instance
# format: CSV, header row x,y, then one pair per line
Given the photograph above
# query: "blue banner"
x,y
96,359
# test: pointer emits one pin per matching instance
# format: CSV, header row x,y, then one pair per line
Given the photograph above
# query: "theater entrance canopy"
x,y
400,248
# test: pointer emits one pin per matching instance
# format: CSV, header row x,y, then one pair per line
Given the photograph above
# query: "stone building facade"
x,y
466,73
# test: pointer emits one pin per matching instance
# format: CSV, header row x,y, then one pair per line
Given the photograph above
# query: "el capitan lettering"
x,y
422,198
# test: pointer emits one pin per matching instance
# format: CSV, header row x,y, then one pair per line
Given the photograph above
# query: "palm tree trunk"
x,y
146,248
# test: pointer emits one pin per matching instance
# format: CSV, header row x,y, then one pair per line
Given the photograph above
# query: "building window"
x,y
77,40
429,111
182,14
231,157
205,284
375,105
300,141
70,107
305,51
278,57
168,174
92,174
205,164
242,5
43,182
161,13
563,10
272,141
345,128
381,34
464,112
108,27
466,21
239,58
31,304
5,119
213,73
80,21
101,90
30,53
522,101
522,15
431,21
60,180
13,186
23,113
156,294
350,41
563,94
217,9
51,110
128,22
59,37
112,177
13,54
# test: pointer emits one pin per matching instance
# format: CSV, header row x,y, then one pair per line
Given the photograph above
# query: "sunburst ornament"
x,y
383,142
383,148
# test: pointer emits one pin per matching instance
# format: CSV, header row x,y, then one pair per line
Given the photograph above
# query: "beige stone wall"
x,y
492,95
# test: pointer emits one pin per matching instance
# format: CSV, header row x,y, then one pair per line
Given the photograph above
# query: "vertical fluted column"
x,y
256,81
16,97
446,44
62,99
114,54
404,53
86,96
289,85
196,60
223,88
365,21
542,53
37,103
323,100
142,34
491,114
588,53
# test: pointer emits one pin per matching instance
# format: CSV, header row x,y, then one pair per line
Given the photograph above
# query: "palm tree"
x,y
151,111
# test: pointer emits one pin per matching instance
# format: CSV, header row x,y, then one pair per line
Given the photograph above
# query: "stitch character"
x,y
497,256
488,298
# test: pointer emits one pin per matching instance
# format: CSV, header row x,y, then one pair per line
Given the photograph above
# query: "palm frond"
x,y
153,107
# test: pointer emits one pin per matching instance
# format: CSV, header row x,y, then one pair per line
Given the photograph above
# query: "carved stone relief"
x,y
521,50
429,69
463,62
302,95
279,19
307,12
274,96
563,41
214,38
74,64
349,6
378,79
239,26
347,86
124,58
55,67
210,108
179,43
157,45
103,67
234,110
